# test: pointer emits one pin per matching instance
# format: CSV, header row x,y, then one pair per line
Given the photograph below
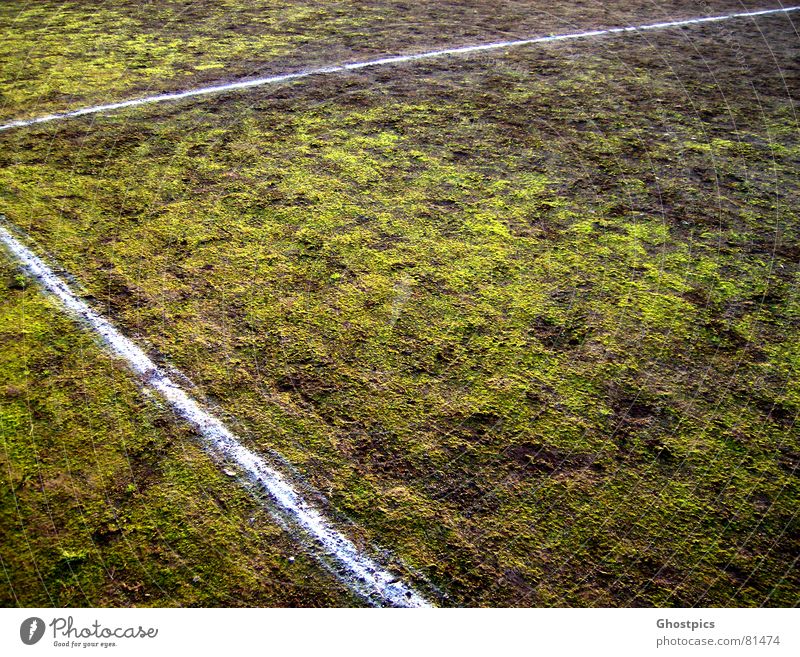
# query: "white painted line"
x,y
354,568
385,61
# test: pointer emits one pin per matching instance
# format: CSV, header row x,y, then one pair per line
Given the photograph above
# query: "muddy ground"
x,y
530,320
63,55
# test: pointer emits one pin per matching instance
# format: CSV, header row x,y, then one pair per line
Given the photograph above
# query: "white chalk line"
x,y
363,574
355,569
385,61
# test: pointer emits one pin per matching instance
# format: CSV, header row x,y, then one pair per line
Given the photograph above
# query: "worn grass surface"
x,y
59,55
530,321
105,500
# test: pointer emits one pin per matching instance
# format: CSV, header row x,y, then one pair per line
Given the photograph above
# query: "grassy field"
x,y
107,501
531,320
59,55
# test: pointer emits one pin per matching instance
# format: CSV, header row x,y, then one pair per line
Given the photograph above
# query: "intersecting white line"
x,y
384,61
353,567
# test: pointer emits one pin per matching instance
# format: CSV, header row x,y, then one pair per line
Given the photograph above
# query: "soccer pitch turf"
x,y
524,323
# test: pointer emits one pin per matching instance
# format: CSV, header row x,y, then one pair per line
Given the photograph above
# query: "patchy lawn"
x,y
58,55
106,500
530,320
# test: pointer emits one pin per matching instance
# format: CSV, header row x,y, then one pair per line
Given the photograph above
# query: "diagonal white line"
x,y
385,61
354,568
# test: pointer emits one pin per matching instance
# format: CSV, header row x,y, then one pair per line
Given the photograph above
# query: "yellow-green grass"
x,y
107,500
57,55
530,321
